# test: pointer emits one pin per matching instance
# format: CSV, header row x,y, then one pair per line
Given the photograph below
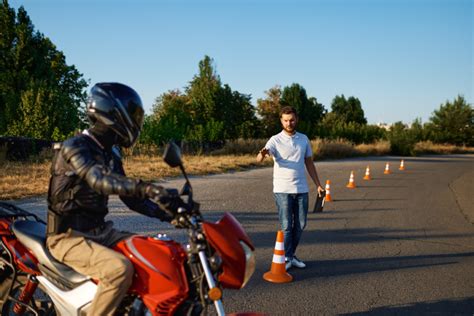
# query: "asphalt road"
x,y
399,244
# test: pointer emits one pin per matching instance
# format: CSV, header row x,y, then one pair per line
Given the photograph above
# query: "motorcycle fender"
x,y
225,237
71,302
23,258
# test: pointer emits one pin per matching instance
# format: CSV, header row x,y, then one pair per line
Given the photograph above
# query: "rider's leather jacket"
x,y
83,174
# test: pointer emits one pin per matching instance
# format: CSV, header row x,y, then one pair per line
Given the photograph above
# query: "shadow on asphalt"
x,y
382,186
385,178
425,159
447,159
328,268
383,209
464,306
365,199
351,236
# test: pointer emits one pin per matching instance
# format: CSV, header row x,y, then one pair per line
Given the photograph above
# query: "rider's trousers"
x,y
113,270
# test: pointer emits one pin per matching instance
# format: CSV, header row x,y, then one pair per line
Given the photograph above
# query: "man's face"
x,y
288,121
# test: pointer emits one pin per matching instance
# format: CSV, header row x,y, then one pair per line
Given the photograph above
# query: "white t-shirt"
x,y
289,153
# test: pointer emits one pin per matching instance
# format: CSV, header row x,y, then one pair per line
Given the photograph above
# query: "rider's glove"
x,y
167,199
171,201
175,222
164,216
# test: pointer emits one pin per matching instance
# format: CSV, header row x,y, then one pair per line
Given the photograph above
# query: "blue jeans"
x,y
292,210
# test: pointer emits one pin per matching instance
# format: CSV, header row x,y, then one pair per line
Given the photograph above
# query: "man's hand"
x,y
262,154
320,190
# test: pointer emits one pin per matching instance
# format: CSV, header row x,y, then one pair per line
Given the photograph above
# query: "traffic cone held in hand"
x,y
328,197
367,174
277,273
387,169
402,165
351,184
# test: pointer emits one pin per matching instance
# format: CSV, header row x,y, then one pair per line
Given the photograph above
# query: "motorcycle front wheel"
x,y
40,302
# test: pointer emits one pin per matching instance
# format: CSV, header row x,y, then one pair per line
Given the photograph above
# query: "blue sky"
x,y
402,59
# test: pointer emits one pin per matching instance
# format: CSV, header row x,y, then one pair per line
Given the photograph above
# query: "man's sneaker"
x,y
297,263
288,263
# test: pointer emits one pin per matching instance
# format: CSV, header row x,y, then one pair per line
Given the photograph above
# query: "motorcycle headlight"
x,y
249,262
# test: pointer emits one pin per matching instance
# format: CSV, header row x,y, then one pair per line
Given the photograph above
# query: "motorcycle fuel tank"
x,y
160,278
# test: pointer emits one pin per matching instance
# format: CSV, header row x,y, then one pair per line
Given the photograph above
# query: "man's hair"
x,y
288,110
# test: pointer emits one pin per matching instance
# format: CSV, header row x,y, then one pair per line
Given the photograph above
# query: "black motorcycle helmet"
x,y
117,107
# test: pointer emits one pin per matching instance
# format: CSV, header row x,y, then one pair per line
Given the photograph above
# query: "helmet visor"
x,y
136,114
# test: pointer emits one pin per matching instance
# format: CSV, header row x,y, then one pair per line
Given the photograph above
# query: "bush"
x,y
3,153
22,148
378,148
354,132
324,148
428,147
401,139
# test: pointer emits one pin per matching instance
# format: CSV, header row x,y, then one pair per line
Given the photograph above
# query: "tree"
x,y
402,140
217,112
417,130
40,95
171,119
453,123
202,92
269,111
236,113
310,112
348,110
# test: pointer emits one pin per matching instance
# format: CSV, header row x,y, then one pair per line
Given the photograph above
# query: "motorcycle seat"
x,y
32,234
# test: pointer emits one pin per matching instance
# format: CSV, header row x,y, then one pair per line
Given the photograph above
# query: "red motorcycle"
x,y
169,279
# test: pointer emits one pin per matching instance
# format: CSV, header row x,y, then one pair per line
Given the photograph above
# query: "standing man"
x,y
291,152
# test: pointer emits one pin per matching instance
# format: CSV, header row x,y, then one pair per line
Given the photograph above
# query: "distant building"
x,y
384,125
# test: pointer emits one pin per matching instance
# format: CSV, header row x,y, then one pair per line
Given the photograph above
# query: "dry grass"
x,y
152,167
23,179
379,148
324,148
341,148
19,180
429,147
241,147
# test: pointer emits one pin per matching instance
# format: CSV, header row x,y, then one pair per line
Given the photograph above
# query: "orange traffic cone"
x,y
351,184
367,174
328,197
402,165
387,169
277,273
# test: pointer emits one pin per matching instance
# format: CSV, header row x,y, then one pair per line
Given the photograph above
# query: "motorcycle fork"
x,y
199,245
210,281
25,295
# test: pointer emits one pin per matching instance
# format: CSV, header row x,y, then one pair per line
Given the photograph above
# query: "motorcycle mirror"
x,y
186,190
172,155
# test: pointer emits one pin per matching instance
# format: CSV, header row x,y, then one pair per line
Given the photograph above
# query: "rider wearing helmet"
x,y
87,169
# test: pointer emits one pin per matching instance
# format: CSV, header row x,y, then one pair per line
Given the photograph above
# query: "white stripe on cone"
x,y
278,259
279,246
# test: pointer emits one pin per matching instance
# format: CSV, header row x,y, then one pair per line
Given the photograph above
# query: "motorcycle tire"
x,y
41,302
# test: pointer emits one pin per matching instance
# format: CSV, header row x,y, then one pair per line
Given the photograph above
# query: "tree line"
x,y
41,96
